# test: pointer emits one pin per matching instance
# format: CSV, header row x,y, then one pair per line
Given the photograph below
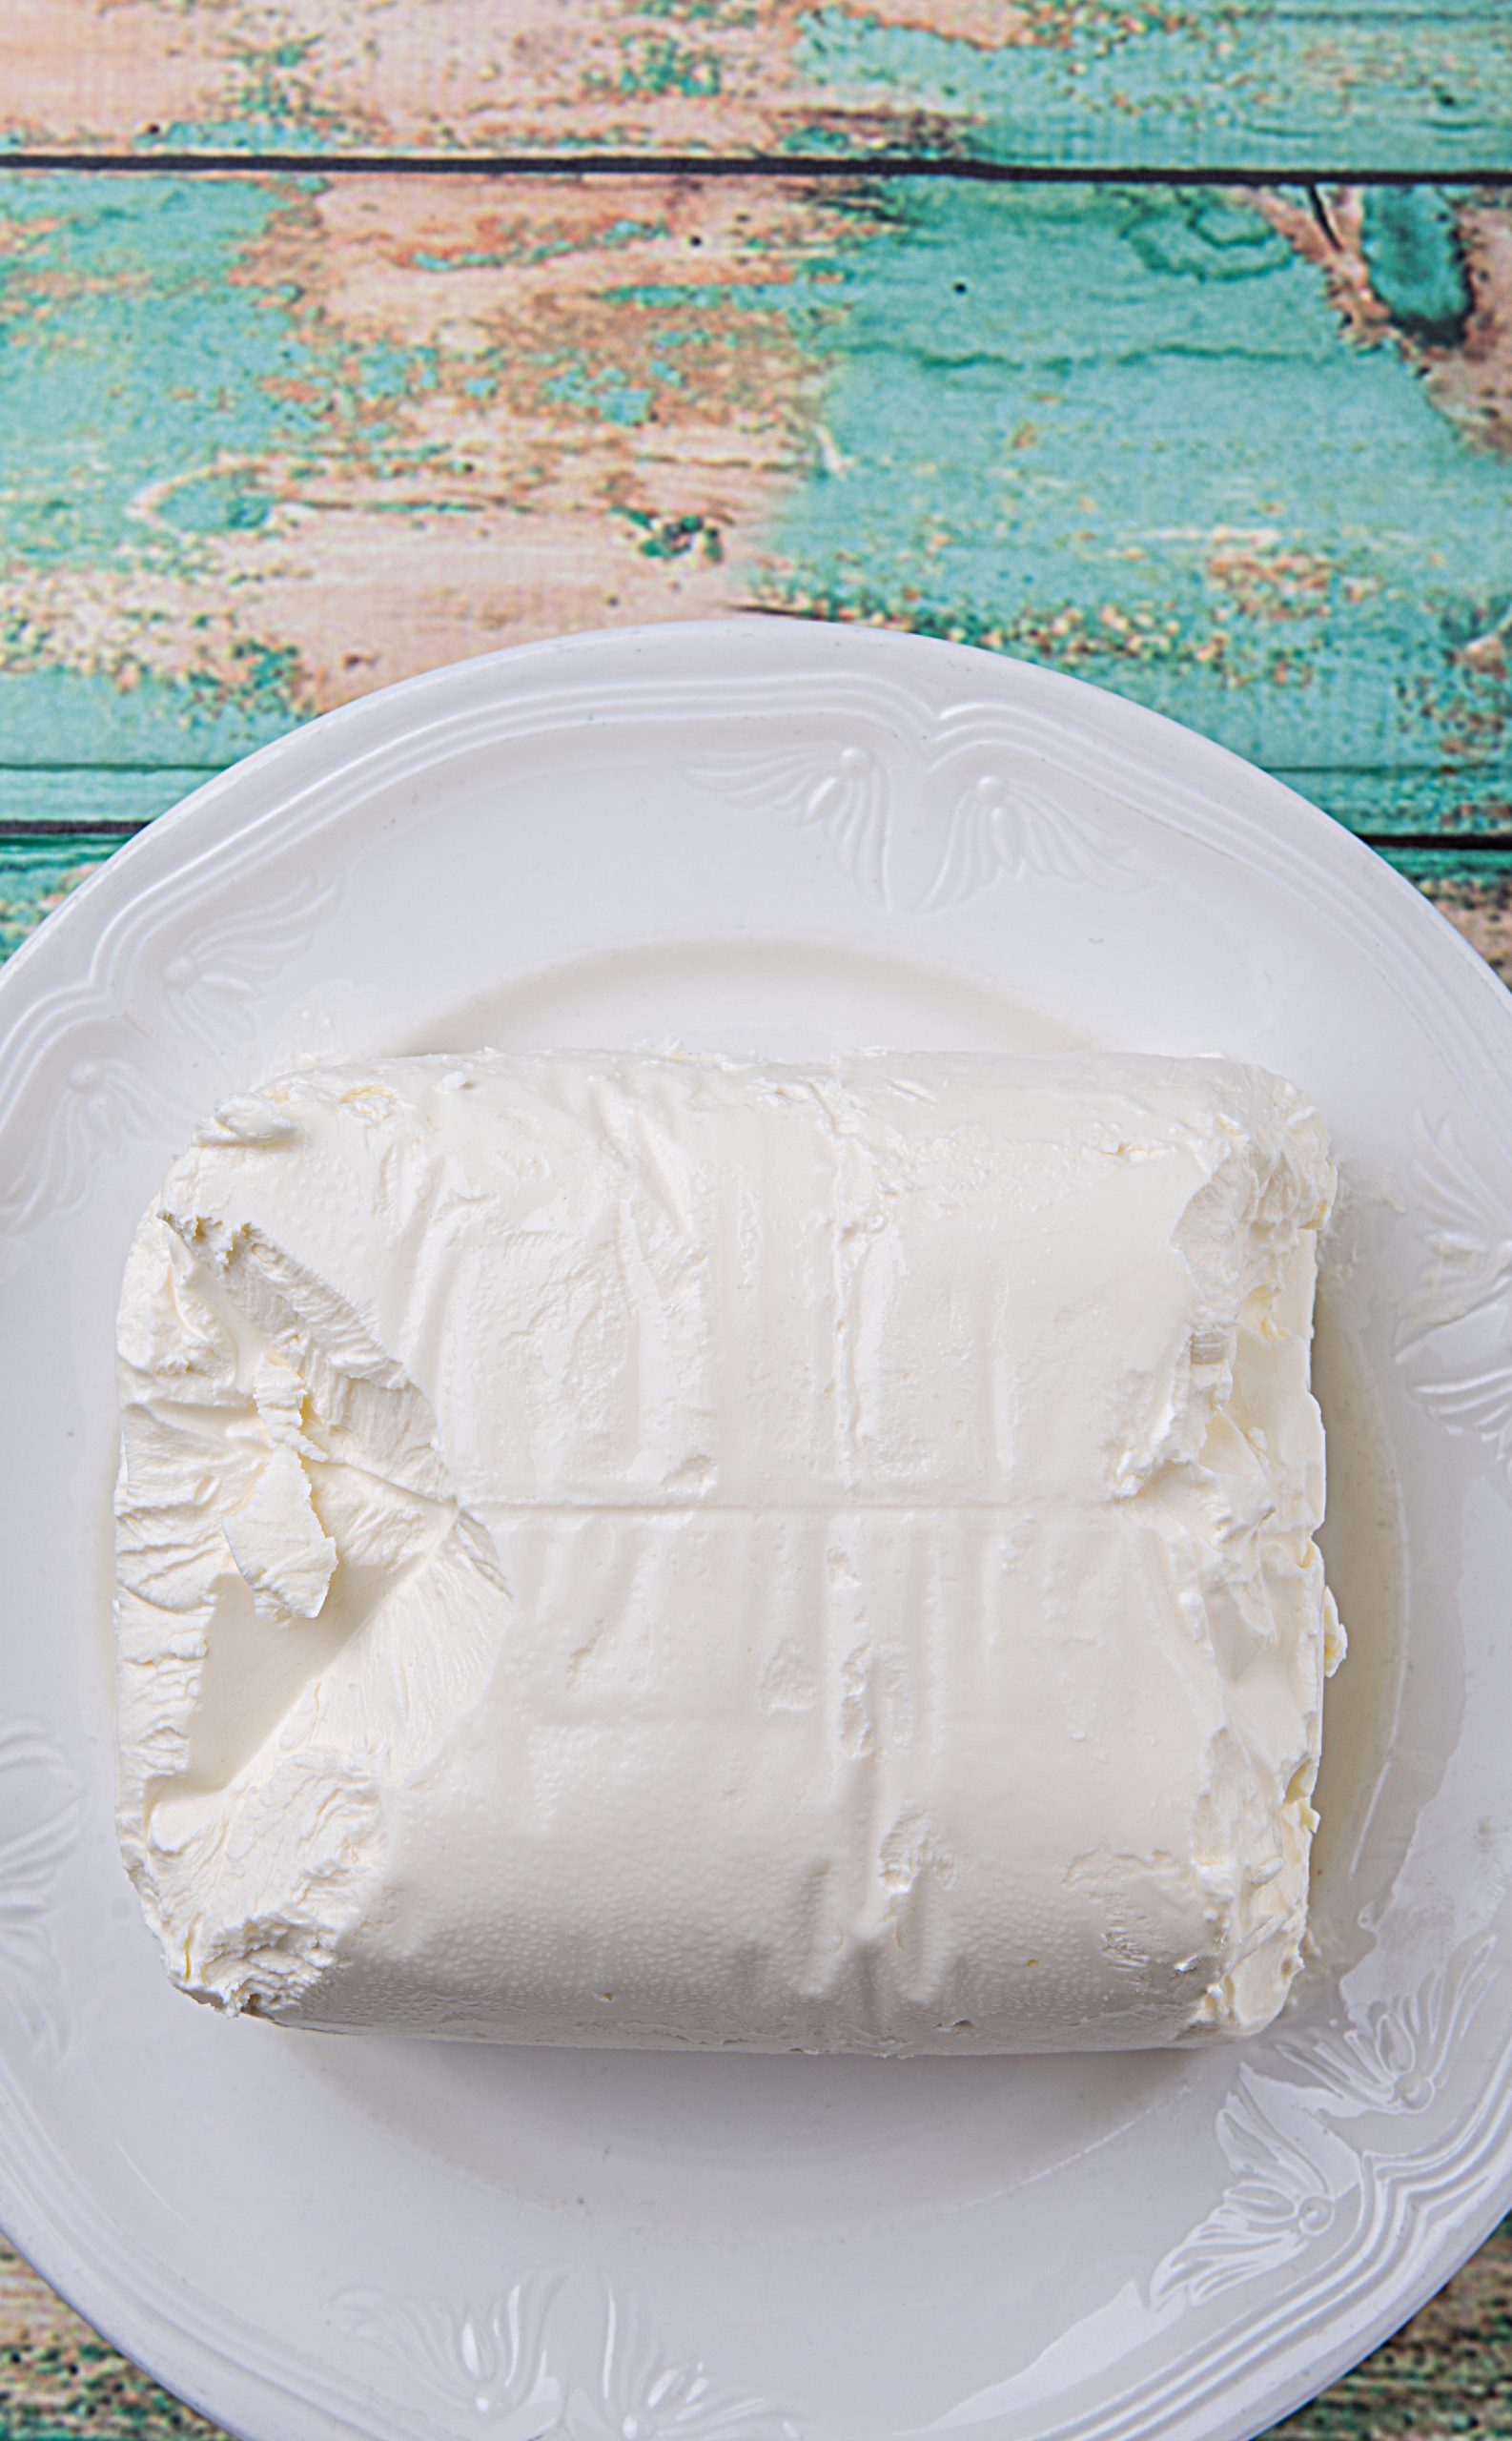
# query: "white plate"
x,y
782,837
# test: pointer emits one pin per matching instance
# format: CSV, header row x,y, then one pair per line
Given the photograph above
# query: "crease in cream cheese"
x,y
650,1550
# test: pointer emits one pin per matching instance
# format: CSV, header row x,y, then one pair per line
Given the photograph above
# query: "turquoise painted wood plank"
x,y
1215,85
1382,84
278,439
1438,871
35,876
80,794
1147,438
1400,797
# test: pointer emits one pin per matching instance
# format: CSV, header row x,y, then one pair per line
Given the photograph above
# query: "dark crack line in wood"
x,y
18,831
46,827
811,166
27,770
1438,843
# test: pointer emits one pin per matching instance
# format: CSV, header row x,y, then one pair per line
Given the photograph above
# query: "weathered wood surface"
x,y
272,441
1361,83
1448,2373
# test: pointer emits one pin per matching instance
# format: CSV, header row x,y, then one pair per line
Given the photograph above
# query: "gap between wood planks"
x,y
730,165
1470,843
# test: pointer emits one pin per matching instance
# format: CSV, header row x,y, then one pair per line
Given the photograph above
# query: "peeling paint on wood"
x,y
1427,275
1214,83
279,440
1130,432
288,440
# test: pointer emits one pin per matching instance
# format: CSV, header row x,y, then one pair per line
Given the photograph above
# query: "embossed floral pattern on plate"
x,y
502,2369
40,1806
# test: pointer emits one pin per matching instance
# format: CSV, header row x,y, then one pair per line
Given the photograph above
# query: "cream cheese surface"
x,y
645,1549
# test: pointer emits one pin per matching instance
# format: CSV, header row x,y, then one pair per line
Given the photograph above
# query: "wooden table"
x,y
1168,342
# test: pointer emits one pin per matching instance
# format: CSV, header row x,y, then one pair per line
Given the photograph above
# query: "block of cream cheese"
x,y
654,1549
